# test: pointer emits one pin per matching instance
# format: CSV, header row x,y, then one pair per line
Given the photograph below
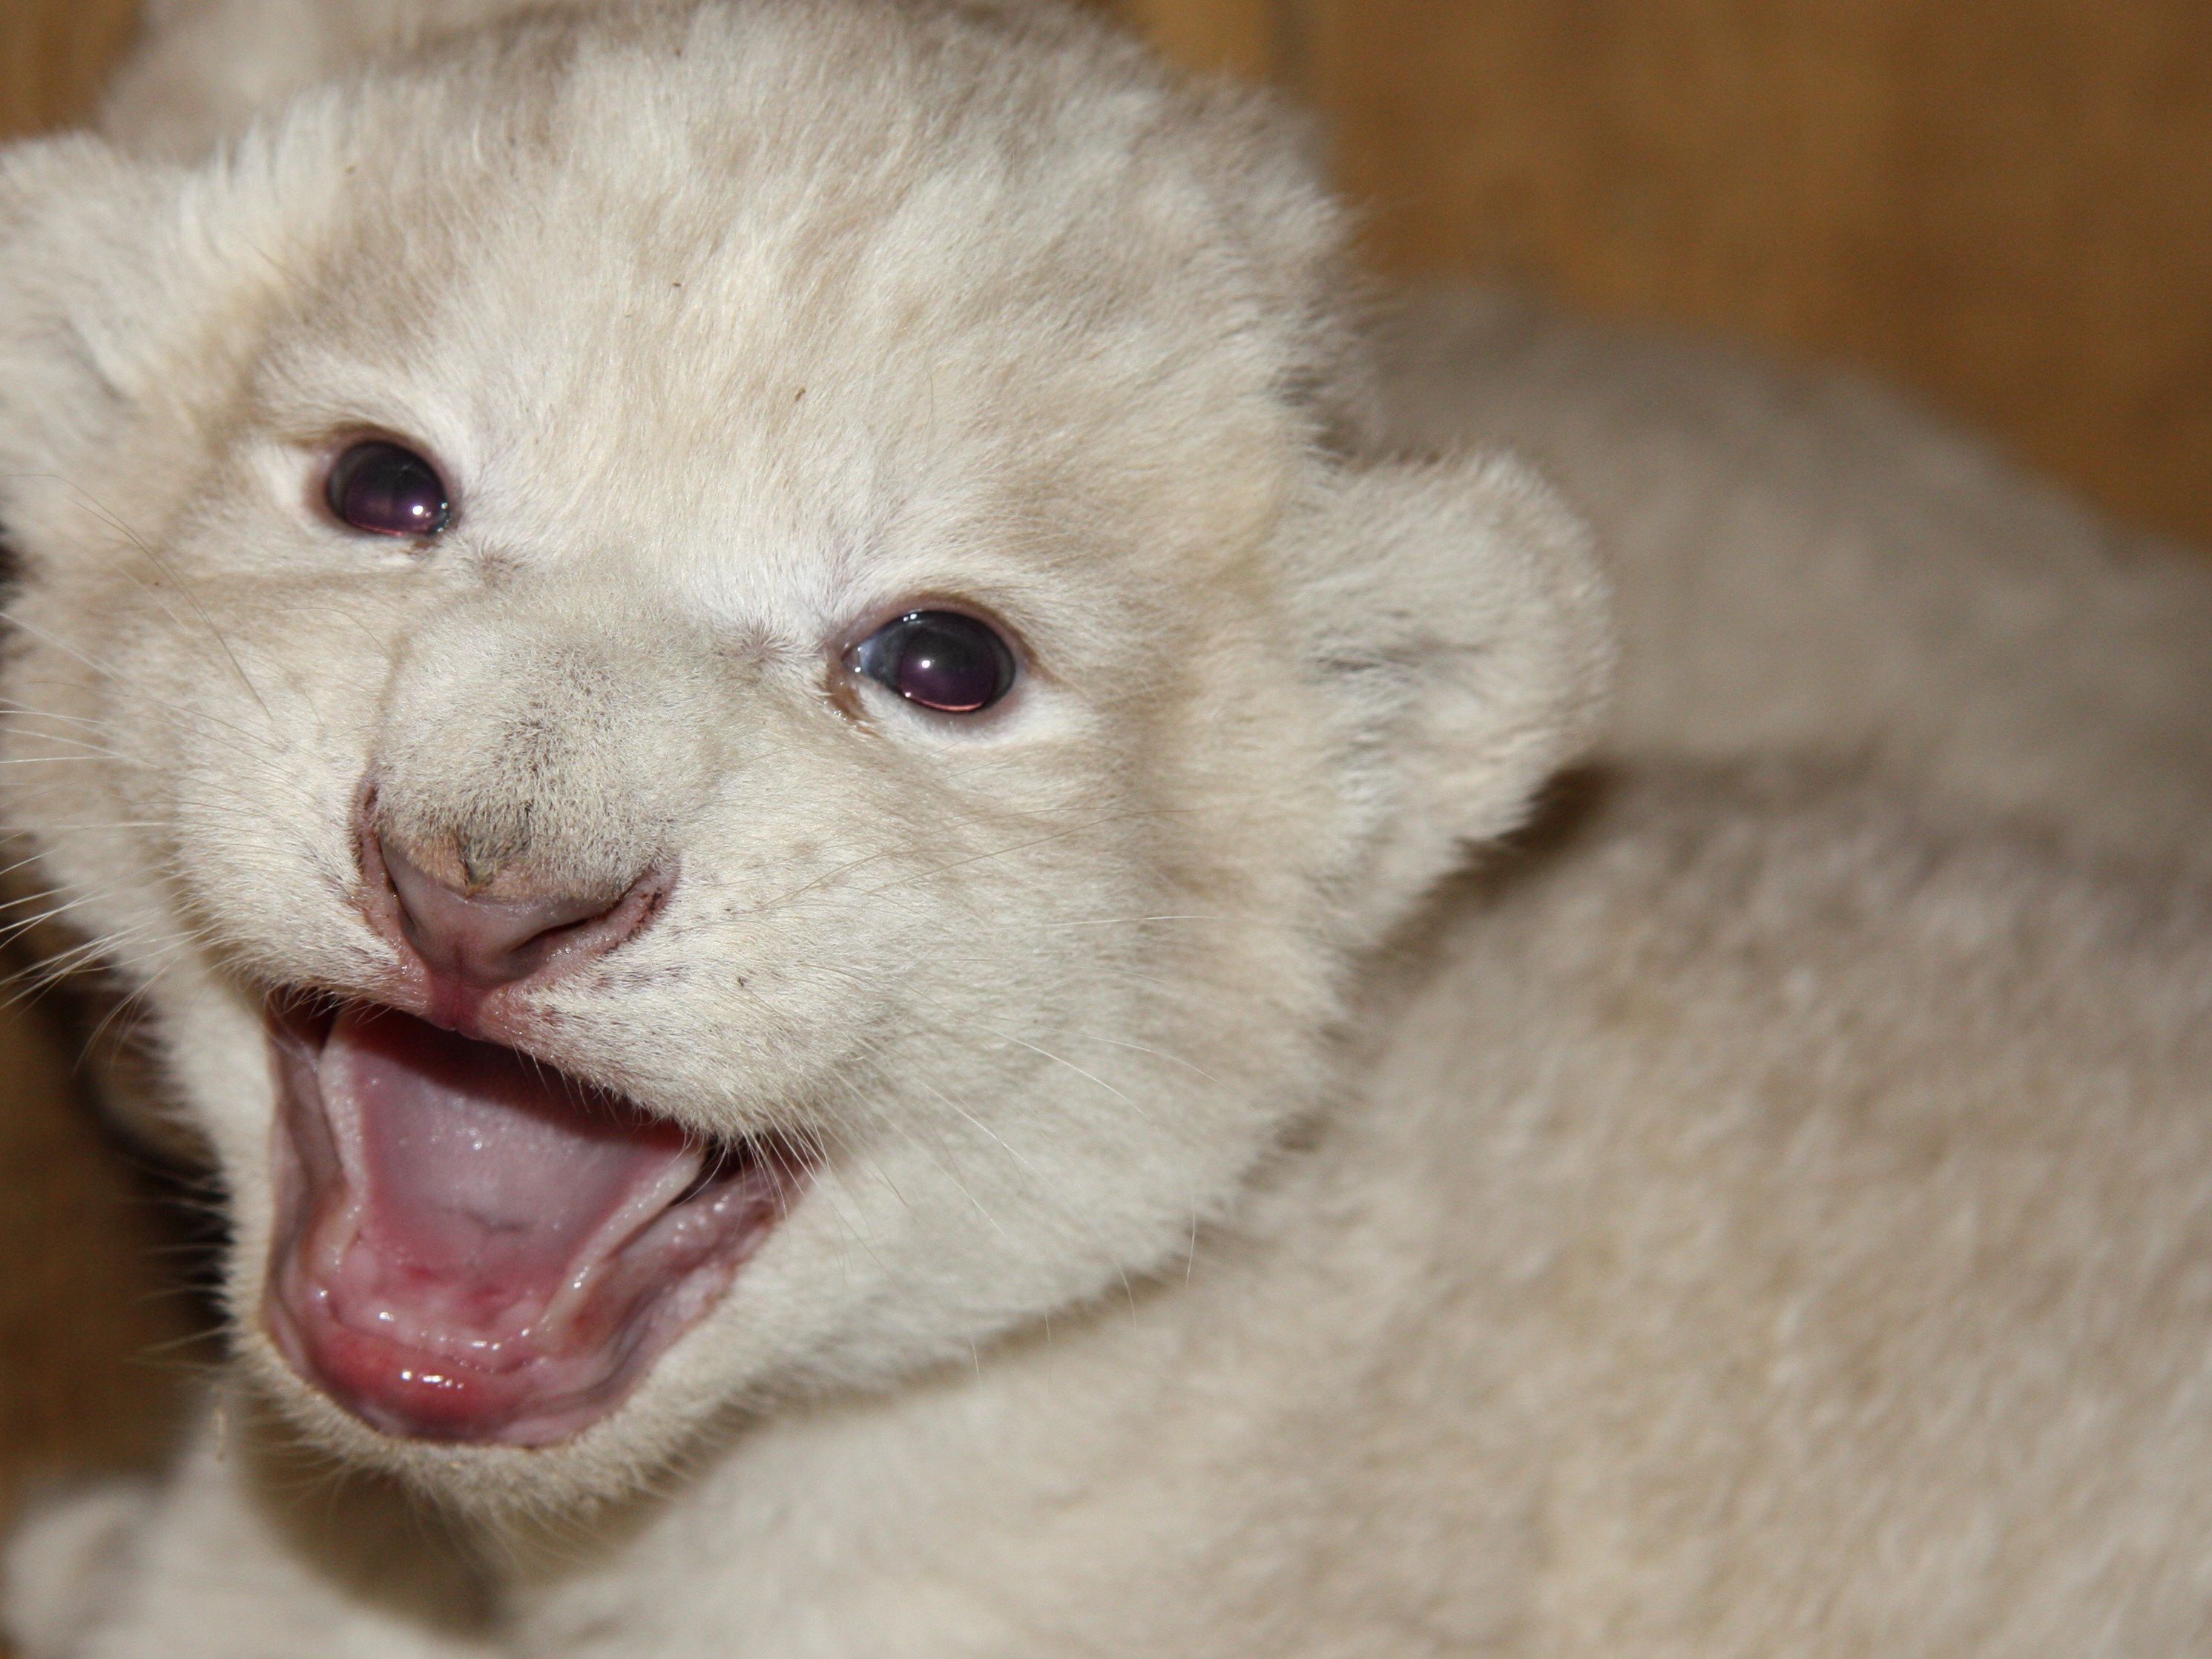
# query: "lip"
x,y
473,1247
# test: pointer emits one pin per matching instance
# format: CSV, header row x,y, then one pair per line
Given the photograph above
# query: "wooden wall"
x,y
2007,204
52,55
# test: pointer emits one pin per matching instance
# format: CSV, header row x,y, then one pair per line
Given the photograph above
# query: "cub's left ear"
x,y
1456,616
84,252
92,273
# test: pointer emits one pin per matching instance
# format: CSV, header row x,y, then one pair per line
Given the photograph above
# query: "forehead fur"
x,y
846,254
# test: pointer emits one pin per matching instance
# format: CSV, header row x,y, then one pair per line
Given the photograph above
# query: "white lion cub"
x,y
781,772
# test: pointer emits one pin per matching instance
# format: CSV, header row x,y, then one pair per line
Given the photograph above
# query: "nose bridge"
x,y
543,743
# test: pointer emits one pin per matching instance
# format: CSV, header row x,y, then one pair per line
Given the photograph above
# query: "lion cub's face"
x,y
712,678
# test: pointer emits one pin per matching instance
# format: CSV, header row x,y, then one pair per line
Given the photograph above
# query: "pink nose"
x,y
485,942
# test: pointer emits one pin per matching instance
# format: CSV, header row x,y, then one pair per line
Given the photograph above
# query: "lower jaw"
x,y
419,1393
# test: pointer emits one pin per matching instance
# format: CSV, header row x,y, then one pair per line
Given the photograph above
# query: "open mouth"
x,y
472,1246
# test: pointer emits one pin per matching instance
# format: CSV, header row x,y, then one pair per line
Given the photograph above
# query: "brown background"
x,y
2007,204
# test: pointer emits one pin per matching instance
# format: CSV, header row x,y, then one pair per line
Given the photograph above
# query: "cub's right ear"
x,y
1455,618
89,273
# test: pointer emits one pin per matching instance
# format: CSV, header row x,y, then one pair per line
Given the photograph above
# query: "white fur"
x,y
1762,1222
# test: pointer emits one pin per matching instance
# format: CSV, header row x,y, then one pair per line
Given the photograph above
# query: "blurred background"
x,y
2003,204
2006,204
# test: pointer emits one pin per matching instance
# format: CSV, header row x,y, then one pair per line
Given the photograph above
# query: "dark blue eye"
x,y
388,491
941,660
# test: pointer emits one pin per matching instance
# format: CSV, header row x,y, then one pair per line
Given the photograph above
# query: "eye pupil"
x,y
388,489
941,659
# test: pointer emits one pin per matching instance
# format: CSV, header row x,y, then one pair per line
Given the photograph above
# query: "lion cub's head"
x,y
734,684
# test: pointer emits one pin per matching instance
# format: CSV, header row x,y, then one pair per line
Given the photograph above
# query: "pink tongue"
x,y
488,1187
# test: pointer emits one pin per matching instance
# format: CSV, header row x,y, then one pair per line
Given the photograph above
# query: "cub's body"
x,y
1758,1211
1746,1234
